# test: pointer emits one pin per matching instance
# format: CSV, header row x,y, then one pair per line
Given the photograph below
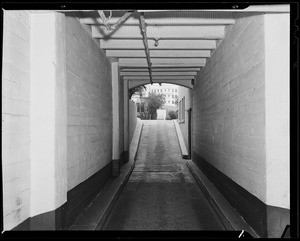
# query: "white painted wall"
x,y
241,107
16,118
187,93
277,44
229,106
89,104
48,113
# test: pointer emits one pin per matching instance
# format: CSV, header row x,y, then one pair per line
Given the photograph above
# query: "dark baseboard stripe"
x,y
250,207
125,156
267,221
25,225
52,220
277,220
77,199
81,195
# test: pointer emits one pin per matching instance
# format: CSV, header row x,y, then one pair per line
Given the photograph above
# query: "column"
x,y
126,121
115,111
48,121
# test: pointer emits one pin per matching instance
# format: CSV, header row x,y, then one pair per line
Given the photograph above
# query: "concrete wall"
x,y
187,93
277,42
132,119
16,118
48,116
229,106
89,104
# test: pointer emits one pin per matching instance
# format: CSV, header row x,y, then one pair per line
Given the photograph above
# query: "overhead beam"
x,y
157,69
164,60
183,77
268,8
163,44
185,83
164,21
157,73
161,65
159,53
162,32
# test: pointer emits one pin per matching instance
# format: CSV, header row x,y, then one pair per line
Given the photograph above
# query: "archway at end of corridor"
x,y
166,102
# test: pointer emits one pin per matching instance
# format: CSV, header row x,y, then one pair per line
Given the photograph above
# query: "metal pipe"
x,y
115,26
143,30
121,20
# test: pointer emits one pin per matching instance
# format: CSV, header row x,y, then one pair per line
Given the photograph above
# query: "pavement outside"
x,y
161,193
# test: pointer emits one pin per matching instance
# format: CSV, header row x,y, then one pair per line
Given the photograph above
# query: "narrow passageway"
x,y
161,193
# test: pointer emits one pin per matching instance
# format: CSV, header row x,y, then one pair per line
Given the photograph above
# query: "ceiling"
x,y
180,42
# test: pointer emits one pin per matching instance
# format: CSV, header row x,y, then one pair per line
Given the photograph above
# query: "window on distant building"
x,y
175,90
172,101
172,96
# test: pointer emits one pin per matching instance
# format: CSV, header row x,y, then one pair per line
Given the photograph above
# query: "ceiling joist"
x,y
157,69
161,32
163,44
158,53
184,77
159,73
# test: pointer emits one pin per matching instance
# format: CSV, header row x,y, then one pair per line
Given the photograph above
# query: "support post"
x,y
48,121
126,121
115,112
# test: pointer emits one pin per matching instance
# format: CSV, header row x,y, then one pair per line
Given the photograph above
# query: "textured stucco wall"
x,y
89,104
277,41
229,106
16,118
187,93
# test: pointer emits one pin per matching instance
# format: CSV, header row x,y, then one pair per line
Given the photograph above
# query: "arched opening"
x,y
164,102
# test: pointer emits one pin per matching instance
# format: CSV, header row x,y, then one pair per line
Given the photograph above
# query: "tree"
x,y
138,89
154,102
172,115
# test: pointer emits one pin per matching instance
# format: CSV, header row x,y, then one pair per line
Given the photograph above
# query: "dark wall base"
x,y
125,157
117,164
277,219
77,199
264,219
52,220
81,195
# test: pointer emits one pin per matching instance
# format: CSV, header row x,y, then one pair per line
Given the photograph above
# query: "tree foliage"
x,y
172,115
138,89
154,102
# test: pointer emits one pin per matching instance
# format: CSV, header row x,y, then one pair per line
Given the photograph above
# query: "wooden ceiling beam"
x,y
156,73
157,69
158,53
158,77
161,32
163,44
